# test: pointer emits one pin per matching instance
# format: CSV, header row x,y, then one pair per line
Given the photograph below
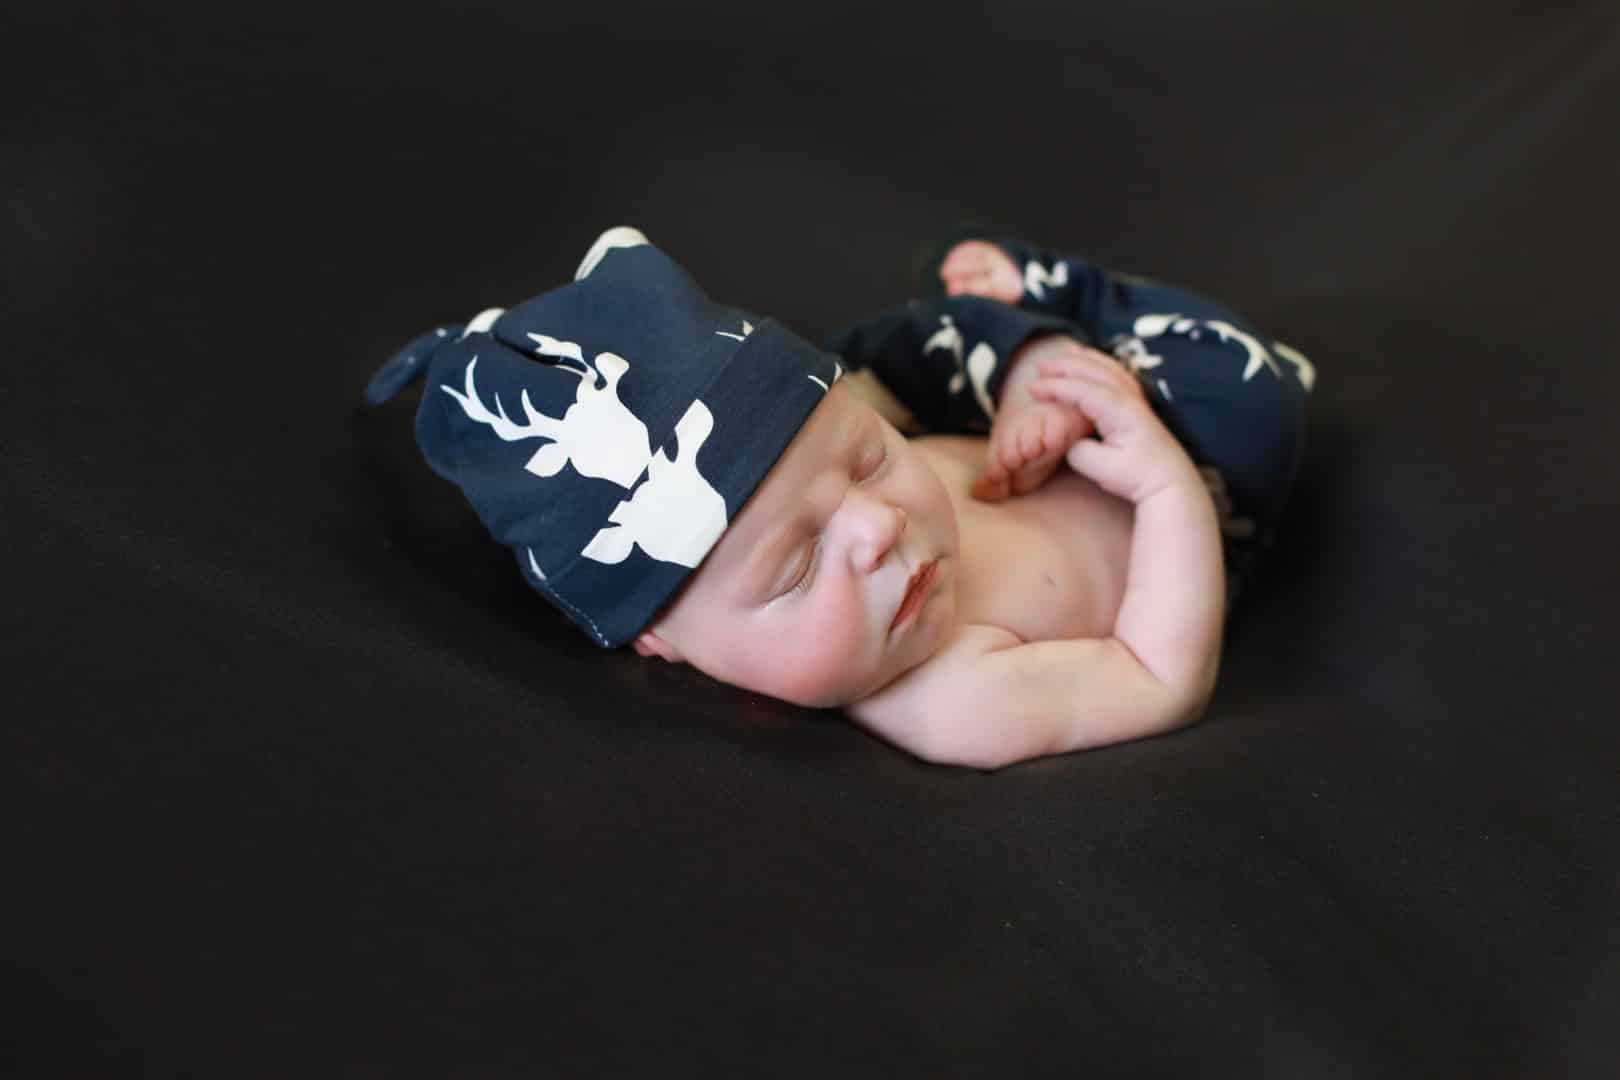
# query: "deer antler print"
x,y
598,435
539,425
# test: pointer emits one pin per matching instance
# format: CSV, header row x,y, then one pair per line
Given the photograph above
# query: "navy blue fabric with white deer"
x,y
608,430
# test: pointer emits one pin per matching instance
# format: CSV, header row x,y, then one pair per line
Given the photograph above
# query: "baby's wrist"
x,y
1175,482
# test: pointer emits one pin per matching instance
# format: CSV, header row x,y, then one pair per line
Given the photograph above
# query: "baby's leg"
x,y
975,261
1231,395
1101,302
944,358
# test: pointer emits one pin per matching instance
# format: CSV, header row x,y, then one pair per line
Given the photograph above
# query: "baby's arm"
x,y
1175,589
989,700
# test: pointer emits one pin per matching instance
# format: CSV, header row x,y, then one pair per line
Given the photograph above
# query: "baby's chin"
x,y
830,691
823,694
833,682
922,642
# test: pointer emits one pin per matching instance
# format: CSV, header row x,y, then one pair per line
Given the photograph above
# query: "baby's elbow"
x,y
937,749
976,746
1188,701
1190,708
1164,711
983,759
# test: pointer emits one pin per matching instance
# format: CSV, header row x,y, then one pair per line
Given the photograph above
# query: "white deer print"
x,y
677,515
1304,368
1134,354
1038,277
980,364
1149,326
838,372
946,337
598,434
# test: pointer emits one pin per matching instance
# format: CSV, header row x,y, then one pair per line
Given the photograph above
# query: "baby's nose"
x,y
875,527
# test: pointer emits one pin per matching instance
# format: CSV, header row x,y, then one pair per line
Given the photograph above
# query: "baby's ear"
x,y
648,643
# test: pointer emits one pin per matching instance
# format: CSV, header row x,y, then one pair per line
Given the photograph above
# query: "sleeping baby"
x,y
1004,520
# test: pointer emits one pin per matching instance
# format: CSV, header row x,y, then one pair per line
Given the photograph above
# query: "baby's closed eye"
x,y
881,459
804,576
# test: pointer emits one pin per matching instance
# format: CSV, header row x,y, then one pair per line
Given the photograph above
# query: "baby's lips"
x,y
916,593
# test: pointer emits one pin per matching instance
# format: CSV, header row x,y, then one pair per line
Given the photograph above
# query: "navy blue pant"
x,y
1232,396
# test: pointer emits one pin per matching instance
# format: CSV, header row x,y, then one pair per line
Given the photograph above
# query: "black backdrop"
x,y
302,779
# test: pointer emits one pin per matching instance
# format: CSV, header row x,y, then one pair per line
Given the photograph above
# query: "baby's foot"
x,y
980,268
1027,443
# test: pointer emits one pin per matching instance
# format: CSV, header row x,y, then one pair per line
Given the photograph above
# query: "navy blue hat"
x,y
608,431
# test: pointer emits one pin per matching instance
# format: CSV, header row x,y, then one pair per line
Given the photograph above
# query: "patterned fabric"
x,y
1233,397
944,357
608,431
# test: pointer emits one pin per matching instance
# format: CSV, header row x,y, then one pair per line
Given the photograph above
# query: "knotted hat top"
x,y
609,430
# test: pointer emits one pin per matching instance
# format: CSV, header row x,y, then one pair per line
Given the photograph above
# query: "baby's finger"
x,y
1108,407
1034,473
1110,468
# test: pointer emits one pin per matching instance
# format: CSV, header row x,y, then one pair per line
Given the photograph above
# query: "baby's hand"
x,y
1135,456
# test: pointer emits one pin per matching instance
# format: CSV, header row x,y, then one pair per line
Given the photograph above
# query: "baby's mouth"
x,y
916,592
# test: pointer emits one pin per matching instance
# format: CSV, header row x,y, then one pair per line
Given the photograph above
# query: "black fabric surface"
x,y
302,780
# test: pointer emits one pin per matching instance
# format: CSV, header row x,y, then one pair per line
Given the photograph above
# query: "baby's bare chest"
x,y
1045,566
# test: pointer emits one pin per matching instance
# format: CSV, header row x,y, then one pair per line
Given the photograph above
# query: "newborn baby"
x,y
1046,571
864,574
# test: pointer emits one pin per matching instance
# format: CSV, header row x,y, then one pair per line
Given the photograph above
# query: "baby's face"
x,y
800,597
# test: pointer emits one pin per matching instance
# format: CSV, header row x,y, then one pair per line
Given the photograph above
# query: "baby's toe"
x,y
1029,441
993,484
1032,474
1009,455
